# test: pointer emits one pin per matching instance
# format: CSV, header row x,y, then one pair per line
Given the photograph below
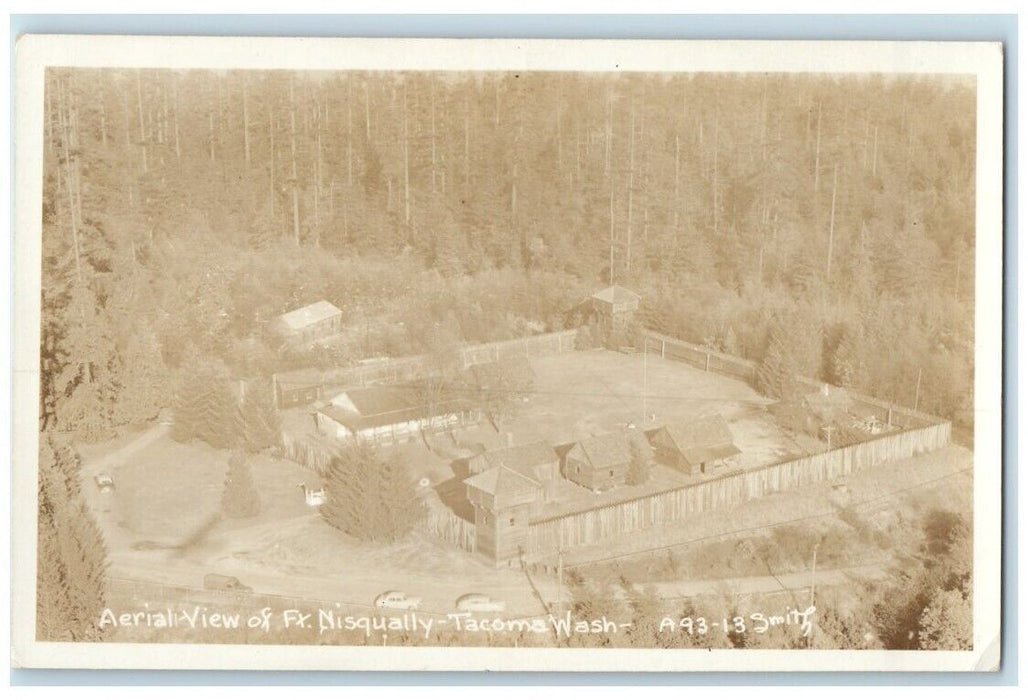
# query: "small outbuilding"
x,y
615,300
599,462
615,307
611,310
309,324
537,461
388,414
812,412
696,446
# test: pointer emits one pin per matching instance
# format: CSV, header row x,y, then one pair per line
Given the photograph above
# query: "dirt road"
x,y
356,588
359,588
798,581
91,467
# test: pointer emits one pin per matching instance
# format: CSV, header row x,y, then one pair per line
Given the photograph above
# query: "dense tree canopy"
x,y
371,496
183,210
71,554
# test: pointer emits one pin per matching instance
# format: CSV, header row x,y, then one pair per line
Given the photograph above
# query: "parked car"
x,y
397,600
476,602
104,482
219,582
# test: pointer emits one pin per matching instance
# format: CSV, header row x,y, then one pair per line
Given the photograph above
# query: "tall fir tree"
x,y
88,377
845,362
730,342
146,383
369,497
257,418
205,409
240,498
775,370
400,508
347,489
71,554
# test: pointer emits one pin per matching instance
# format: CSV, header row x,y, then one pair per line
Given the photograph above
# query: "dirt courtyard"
x,y
591,392
595,391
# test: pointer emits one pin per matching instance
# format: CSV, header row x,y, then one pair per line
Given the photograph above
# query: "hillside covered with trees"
x,y
826,219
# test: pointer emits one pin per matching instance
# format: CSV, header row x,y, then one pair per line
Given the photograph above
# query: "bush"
x,y
371,498
240,498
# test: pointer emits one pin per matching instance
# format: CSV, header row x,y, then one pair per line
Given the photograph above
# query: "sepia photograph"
x,y
507,355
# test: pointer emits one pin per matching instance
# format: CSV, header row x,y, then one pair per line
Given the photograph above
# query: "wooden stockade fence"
x,y
443,523
309,452
700,356
546,537
915,433
307,385
729,365
555,343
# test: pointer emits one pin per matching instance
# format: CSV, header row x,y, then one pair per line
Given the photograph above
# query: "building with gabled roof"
x,y
616,298
308,324
695,446
500,488
536,460
384,414
599,462
504,500
611,311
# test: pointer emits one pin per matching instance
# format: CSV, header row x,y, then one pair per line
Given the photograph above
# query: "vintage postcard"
x,y
507,355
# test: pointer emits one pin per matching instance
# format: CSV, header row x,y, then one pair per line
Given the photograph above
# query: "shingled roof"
x,y
385,405
604,451
506,486
373,400
703,440
521,458
616,294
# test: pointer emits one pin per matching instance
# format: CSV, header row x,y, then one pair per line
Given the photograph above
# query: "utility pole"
x,y
292,150
917,391
612,234
831,224
829,429
643,424
560,579
813,575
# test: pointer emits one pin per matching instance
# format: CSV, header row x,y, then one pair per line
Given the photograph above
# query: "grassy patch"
x,y
169,489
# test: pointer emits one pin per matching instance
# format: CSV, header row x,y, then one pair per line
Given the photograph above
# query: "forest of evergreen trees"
x,y
827,219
